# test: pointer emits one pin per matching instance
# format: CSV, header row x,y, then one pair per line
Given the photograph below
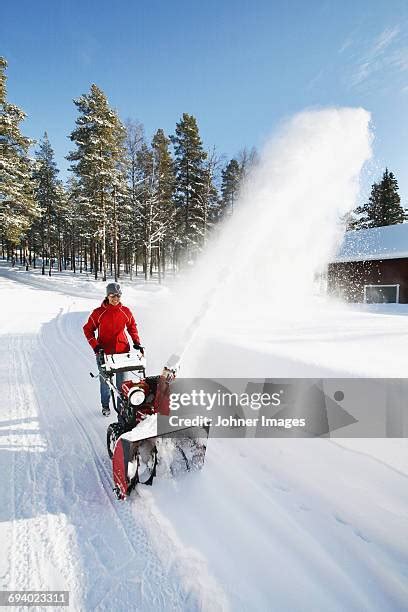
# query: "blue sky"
x,y
240,67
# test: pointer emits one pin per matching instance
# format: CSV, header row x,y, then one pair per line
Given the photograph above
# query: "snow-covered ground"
x,y
269,524
288,524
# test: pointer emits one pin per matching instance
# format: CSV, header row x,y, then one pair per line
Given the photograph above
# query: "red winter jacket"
x,y
111,321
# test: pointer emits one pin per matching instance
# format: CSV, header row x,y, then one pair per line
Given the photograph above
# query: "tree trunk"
x,y
163,259
159,264
103,245
118,254
96,248
115,237
26,256
148,256
73,263
42,250
91,257
60,255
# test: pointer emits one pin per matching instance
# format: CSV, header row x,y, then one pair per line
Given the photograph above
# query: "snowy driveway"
x,y
283,524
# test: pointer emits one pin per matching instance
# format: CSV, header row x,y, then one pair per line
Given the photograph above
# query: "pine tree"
x,y
392,212
383,206
78,227
209,198
133,225
18,207
49,197
165,186
231,181
62,228
148,204
99,164
190,184
155,200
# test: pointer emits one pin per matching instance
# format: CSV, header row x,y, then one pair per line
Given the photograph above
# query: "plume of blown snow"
x,y
285,226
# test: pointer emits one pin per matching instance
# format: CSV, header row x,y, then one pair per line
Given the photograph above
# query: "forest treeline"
x,y
128,205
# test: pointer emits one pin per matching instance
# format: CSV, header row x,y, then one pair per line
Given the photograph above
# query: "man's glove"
x,y
97,349
137,347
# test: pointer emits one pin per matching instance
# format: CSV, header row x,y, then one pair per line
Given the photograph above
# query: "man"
x,y
110,321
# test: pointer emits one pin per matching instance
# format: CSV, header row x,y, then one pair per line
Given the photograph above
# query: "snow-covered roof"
x,y
389,242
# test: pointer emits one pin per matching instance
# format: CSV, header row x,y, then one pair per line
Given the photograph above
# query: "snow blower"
x,y
140,442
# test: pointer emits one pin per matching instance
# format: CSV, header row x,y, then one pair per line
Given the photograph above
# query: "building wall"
x,y
348,279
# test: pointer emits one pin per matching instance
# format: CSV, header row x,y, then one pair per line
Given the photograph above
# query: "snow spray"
x,y
285,225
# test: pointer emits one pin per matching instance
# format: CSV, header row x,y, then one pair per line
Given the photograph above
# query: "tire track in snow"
x,y
18,558
185,561
39,536
135,535
23,573
60,548
7,526
12,488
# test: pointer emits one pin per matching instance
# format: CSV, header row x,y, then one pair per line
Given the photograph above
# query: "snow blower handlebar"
x,y
109,365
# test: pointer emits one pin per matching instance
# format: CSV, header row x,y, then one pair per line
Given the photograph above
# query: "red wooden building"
x,y
372,266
